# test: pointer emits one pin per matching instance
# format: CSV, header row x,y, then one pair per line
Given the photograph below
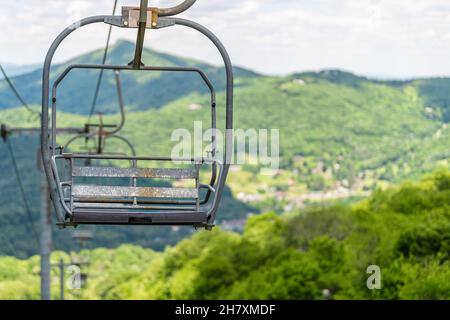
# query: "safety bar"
x,y
90,136
117,68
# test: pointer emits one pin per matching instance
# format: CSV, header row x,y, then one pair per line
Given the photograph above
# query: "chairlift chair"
x,y
106,202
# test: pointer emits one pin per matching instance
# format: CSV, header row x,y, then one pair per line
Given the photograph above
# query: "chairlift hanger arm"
x,y
201,73
91,136
142,25
144,20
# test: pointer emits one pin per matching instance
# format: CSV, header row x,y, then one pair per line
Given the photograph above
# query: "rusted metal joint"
x,y
155,16
132,17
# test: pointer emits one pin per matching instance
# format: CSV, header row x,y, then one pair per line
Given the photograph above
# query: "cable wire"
x,y
9,245
16,93
100,76
22,191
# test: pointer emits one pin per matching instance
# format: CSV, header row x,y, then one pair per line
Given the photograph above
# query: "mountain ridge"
x,y
155,84
340,134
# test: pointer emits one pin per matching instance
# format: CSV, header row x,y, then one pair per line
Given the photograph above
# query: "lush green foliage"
x,y
404,230
337,131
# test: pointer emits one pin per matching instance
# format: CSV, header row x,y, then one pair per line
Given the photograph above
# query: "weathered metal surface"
x,y
138,218
114,172
144,192
130,16
139,201
81,205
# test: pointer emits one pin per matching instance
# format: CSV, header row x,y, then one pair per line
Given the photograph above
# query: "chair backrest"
x,y
107,192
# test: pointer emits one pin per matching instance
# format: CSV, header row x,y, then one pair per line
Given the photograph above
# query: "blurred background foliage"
x,y
315,253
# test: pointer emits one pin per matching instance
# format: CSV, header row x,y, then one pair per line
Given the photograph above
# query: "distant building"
x,y
234,225
194,107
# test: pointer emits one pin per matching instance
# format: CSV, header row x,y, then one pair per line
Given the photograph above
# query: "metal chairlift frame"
x,y
103,134
166,212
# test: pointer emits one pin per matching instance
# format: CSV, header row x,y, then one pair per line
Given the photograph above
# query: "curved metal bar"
x,y
59,189
165,12
120,67
44,114
91,135
171,69
80,136
137,61
212,181
121,105
229,111
127,142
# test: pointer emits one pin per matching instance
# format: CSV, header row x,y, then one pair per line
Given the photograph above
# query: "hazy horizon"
x,y
378,38
15,69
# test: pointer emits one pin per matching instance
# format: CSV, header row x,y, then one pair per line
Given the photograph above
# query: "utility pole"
x,y
45,221
61,279
45,246
80,277
61,266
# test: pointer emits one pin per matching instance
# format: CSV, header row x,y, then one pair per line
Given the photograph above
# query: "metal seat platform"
x,y
96,194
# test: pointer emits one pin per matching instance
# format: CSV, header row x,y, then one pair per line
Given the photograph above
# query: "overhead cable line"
x,y
16,93
100,76
22,191
9,245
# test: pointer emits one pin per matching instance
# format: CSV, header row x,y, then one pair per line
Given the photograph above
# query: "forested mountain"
x,y
341,136
144,90
317,253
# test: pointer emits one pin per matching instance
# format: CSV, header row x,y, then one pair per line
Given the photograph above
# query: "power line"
x,y
16,93
100,76
22,190
9,245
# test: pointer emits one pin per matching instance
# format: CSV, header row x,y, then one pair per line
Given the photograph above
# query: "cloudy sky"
x,y
383,38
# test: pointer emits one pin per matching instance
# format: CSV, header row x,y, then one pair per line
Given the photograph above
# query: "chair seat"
x,y
112,217
102,202
94,191
114,172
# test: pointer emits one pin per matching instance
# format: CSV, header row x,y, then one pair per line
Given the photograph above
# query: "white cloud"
x,y
400,38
